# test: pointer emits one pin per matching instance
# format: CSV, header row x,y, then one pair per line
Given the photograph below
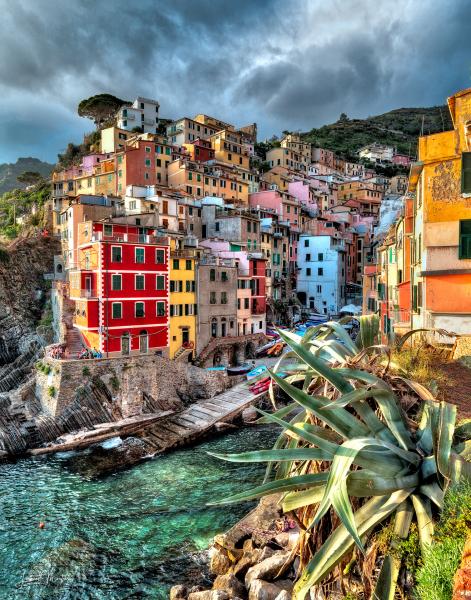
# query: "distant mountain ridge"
x,y
399,128
10,171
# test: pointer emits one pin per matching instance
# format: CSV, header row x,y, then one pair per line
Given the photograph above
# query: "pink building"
x,y
304,193
402,159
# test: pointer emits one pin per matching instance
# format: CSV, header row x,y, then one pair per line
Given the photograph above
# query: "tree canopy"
x,y
100,108
30,177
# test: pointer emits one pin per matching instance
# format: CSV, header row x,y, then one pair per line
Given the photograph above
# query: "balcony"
x,y
130,238
85,293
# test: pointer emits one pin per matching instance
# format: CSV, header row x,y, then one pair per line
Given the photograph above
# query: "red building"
x,y
200,150
121,288
258,299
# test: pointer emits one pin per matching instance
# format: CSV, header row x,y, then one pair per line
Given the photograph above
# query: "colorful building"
x,y
120,288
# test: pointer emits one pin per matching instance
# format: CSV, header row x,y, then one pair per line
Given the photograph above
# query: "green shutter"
x,y
414,298
465,239
466,173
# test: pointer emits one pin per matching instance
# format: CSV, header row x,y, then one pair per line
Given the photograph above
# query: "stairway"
x,y
181,352
74,342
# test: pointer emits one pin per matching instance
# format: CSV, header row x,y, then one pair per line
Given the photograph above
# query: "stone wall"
x,y
168,384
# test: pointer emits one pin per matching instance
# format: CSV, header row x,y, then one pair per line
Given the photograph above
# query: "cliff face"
x,y
23,293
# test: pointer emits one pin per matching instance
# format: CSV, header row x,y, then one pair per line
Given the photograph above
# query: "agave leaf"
x,y
313,438
274,455
428,466
340,541
282,441
360,484
463,449
434,492
423,511
463,431
271,392
386,584
330,349
418,388
369,330
281,412
283,468
342,335
279,485
428,424
446,427
318,365
459,467
341,421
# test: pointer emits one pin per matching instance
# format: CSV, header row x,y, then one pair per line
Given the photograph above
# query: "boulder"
x,y
231,584
219,560
210,595
178,592
287,540
265,590
283,595
267,569
249,559
249,414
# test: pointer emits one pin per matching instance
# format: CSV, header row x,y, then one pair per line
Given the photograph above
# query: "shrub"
x,y
86,371
51,390
4,256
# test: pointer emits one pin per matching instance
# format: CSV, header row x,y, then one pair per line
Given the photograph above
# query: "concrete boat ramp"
x,y
166,430
198,419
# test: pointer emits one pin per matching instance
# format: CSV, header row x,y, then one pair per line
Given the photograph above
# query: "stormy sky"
x,y
286,64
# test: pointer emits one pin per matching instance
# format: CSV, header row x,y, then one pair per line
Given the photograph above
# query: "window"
x,y
147,162
212,297
246,302
465,239
223,297
160,282
139,309
217,226
308,272
159,256
320,257
139,281
308,257
108,230
249,227
116,255
139,255
176,264
158,162
116,282
319,289
320,271
466,173
160,309
116,310
212,275
147,149
188,265
224,276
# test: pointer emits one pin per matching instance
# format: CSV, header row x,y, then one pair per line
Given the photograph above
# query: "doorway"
x,y
185,337
125,346
88,287
223,327
143,342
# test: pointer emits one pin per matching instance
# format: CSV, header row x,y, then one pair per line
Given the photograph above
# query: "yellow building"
x,y
228,148
182,301
114,139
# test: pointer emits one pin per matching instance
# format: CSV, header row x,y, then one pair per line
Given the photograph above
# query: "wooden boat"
x,y
239,370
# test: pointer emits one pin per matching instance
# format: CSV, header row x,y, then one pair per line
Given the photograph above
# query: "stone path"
x,y
194,422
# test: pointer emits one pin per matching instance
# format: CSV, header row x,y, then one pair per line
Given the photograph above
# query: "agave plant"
x,y
348,448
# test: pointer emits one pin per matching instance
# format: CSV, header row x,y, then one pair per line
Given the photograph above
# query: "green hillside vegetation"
x,y
10,171
19,203
399,128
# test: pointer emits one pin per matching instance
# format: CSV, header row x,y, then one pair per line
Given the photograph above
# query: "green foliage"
x,y
100,108
86,371
51,390
30,177
367,462
435,578
114,382
4,256
399,128
9,172
19,203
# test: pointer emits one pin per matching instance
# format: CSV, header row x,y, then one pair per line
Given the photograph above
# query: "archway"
x,y
250,350
125,344
214,327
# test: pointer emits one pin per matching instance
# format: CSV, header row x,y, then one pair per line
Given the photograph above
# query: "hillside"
x,y
399,128
10,171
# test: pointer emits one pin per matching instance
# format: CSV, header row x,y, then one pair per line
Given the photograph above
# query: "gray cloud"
x,y
286,64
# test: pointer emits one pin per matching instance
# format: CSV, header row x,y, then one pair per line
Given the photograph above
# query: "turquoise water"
x,y
128,535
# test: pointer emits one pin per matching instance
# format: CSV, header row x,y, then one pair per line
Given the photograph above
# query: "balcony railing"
x,y
86,293
132,238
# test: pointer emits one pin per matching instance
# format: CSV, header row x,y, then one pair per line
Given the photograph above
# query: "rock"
x,y
268,568
261,520
230,584
462,580
266,553
249,415
249,559
264,590
219,561
287,540
248,545
283,595
209,595
178,592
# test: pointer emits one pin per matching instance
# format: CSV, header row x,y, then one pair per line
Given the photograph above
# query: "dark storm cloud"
x,y
285,64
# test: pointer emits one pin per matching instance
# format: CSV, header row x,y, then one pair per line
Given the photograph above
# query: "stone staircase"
x,y
74,341
182,353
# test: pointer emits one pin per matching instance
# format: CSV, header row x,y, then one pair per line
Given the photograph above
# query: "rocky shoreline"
x,y
253,560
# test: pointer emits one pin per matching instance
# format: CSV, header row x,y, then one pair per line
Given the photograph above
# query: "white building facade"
x,y
143,113
321,275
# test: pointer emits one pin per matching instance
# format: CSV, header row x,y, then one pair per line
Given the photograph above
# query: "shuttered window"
x,y
466,173
465,239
